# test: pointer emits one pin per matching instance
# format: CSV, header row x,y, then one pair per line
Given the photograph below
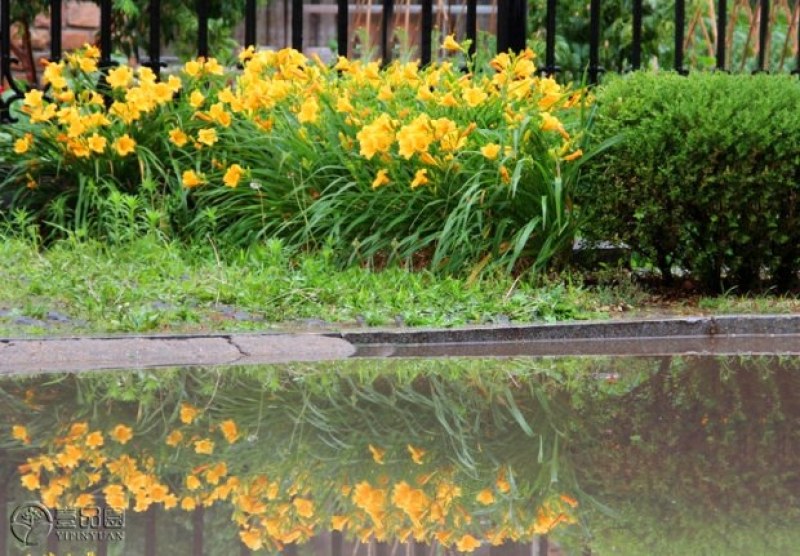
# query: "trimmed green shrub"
x,y
706,175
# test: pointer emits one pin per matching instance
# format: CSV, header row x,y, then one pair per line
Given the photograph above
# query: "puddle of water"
x,y
573,456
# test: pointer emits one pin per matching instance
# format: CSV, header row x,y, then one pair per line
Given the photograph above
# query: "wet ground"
x,y
667,454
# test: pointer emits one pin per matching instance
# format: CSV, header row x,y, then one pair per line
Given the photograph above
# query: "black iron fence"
x,y
512,34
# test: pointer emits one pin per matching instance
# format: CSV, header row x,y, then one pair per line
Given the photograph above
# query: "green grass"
x,y
151,285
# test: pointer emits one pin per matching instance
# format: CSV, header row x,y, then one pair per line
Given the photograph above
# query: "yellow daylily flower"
x,y
191,179
122,434
451,45
420,178
490,150
231,179
125,145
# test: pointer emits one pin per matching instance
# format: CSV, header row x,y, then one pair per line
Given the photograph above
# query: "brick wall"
x,y
80,20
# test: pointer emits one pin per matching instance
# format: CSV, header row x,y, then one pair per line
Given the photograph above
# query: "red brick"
x,y
40,39
83,14
76,38
42,21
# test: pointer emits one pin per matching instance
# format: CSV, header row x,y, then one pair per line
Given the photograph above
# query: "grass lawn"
x,y
153,286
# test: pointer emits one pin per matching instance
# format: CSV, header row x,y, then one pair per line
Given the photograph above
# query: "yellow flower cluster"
x,y
413,126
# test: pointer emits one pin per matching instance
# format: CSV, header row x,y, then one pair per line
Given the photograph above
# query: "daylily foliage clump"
x,y
460,165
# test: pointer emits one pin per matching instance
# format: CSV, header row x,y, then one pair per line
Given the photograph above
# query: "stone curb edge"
x,y
727,325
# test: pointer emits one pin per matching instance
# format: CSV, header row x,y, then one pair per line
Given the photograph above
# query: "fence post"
x,y
6,60
342,24
550,67
722,18
636,53
594,42
763,34
55,30
472,26
386,26
512,18
250,24
427,29
154,44
297,25
797,61
680,22
105,34
202,28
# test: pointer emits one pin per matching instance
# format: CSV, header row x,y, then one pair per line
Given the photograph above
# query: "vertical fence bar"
x,y
511,25
472,26
636,53
5,67
250,24
105,33
502,25
594,41
763,35
297,25
797,61
680,22
154,44
386,26
202,28
5,50
427,29
550,39
342,23
55,30
722,18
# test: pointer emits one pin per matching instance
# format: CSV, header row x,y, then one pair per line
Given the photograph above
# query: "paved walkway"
x,y
763,334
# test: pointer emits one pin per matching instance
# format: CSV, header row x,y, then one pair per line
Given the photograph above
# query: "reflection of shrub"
x,y
706,178
430,163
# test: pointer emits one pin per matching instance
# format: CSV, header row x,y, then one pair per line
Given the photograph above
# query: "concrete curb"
x,y
729,325
711,335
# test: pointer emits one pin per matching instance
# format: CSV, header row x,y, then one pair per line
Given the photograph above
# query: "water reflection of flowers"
x,y
390,502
